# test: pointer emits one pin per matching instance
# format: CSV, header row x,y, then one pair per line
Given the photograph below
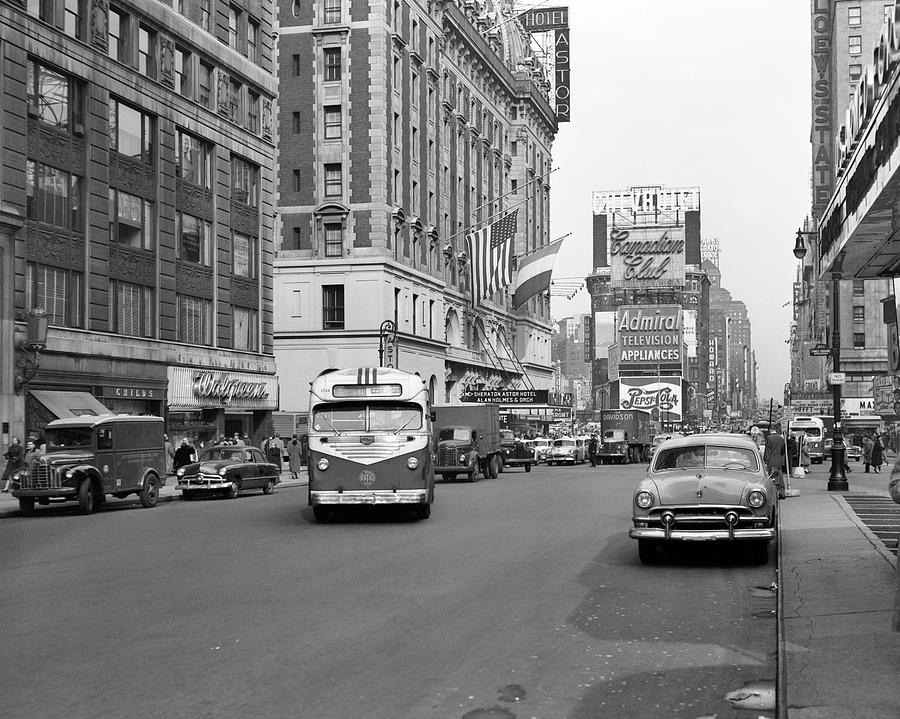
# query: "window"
x,y
205,84
54,97
333,307
130,132
253,112
234,18
396,130
243,255
415,89
298,125
334,240
855,44
855,73
246,331
130,220
196,10
332,11
889,13
859,340
859,314
296,63
193,320
193,159
57,292
193,243
118,35
854,16
333,180
236,98
252,41
52,196
332,57
131,309
244,181
73,18
147,52
332,122
183,78
859,288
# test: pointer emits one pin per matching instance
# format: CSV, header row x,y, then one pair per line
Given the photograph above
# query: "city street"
x,y
521,597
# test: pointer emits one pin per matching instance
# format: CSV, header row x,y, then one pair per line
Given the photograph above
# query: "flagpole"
x,y
544,247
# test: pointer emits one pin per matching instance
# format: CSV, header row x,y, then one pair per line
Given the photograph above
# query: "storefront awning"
x,y
69,404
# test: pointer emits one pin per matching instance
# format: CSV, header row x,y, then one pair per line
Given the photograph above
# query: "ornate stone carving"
x,y
58,248
244,219
195,280
132,176
194,200
223,99
267,118
167,61
99,25
132,265
244,292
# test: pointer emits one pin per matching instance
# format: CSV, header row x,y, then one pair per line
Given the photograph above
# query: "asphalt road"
x,y
521,597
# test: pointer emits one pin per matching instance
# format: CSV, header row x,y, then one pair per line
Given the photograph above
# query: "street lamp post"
x,y
837,479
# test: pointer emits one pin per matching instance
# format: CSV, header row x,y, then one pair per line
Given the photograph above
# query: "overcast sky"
x,y
712,93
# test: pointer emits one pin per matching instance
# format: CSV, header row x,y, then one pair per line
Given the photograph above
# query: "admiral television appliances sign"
x,y
650,337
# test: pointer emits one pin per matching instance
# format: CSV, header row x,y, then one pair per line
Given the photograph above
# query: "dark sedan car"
x,y
228,470
514,452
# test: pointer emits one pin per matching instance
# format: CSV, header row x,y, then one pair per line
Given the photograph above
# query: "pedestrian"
x,y
877,454
236,440
32,452
805,461
295,455
184,455
170,455
868,446
775,459
274,449
13,455
592,449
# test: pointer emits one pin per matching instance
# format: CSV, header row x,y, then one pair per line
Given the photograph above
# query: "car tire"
x,y
647,551
527,467
26,506
85,497
759,553
449,476
321,513
187,494
233,489
270,487
149,495
423,511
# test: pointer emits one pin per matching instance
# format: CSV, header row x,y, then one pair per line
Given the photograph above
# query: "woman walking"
x,y
295,455
877,454
13,456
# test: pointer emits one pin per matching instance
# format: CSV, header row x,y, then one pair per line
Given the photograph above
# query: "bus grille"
x,y
380,448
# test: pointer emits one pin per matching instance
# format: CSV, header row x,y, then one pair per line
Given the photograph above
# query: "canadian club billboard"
x,y
646,256
649,339
661,397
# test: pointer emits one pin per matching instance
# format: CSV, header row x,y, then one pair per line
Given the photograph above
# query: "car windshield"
x,y
217,453
69,437
457,434
564,443
366,417
541,443
702,456
507,436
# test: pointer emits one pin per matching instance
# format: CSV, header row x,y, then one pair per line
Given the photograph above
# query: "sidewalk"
x,y
9,505
838,657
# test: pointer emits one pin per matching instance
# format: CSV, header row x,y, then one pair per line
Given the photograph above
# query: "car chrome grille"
x,y
701,516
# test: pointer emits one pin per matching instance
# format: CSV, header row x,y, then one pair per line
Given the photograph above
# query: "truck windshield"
x,y
366,417
456,434
69,437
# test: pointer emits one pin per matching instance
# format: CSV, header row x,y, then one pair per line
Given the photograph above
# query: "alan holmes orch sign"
x,y
506,396
660,397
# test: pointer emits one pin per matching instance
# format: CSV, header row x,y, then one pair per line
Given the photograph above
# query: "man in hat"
x,y
775,456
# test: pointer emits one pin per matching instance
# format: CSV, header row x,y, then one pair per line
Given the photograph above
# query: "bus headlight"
x,y
412,463
322,464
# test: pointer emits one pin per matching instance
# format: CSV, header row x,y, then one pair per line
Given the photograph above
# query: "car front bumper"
x,y
387,496
68,492
702,535
199,483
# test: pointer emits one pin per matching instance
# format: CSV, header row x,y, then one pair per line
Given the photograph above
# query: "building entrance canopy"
x,y
69,404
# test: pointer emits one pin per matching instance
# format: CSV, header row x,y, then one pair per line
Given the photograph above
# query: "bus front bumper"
x,y
361,496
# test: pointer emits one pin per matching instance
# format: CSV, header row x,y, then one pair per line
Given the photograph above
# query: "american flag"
x,y
490,256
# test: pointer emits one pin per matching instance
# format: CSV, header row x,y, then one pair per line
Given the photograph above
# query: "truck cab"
x,y
614,447
457,453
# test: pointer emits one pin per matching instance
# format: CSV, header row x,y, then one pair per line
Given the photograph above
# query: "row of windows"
x,y
854,15
132,308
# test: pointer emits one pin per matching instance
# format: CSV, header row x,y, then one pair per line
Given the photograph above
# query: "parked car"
x,y
514,452
228,470
567,450
542,447
705,487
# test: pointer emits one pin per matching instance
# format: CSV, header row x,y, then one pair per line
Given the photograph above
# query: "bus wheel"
x,y
321,513
423,511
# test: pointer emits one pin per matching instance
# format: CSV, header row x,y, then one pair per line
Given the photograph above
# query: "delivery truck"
x,y
625,436
467,440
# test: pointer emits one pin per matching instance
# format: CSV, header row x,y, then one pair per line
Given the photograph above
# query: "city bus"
x,y
370,440
814,429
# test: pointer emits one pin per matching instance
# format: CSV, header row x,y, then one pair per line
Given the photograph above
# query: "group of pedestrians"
x,y
873,453
18,457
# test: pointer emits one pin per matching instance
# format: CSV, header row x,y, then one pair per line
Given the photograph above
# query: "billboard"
x,y
604,332
661,397
689,331
649,338
646,256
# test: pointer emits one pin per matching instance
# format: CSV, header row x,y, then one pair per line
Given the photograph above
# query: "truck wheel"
x,y
527,467
449,476
486,468
149,495
26,506
423,511
85,497
495,466
473,474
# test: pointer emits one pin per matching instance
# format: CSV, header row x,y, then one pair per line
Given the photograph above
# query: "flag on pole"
x,y
490,256
534,273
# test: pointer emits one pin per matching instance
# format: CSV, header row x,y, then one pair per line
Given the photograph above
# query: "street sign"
x,y
834,378
819,350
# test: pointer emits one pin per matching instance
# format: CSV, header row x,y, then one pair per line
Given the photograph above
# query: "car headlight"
x,y
412,463
322,464
462,459
643,499
180,472
69,474
223,471
756,498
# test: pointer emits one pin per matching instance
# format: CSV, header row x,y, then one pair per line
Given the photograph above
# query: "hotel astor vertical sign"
x,y
542,20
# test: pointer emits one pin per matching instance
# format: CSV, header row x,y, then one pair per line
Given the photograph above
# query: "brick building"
x,y
403,125
137,212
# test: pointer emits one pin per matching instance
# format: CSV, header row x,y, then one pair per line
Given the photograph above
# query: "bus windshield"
x,y
366,417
